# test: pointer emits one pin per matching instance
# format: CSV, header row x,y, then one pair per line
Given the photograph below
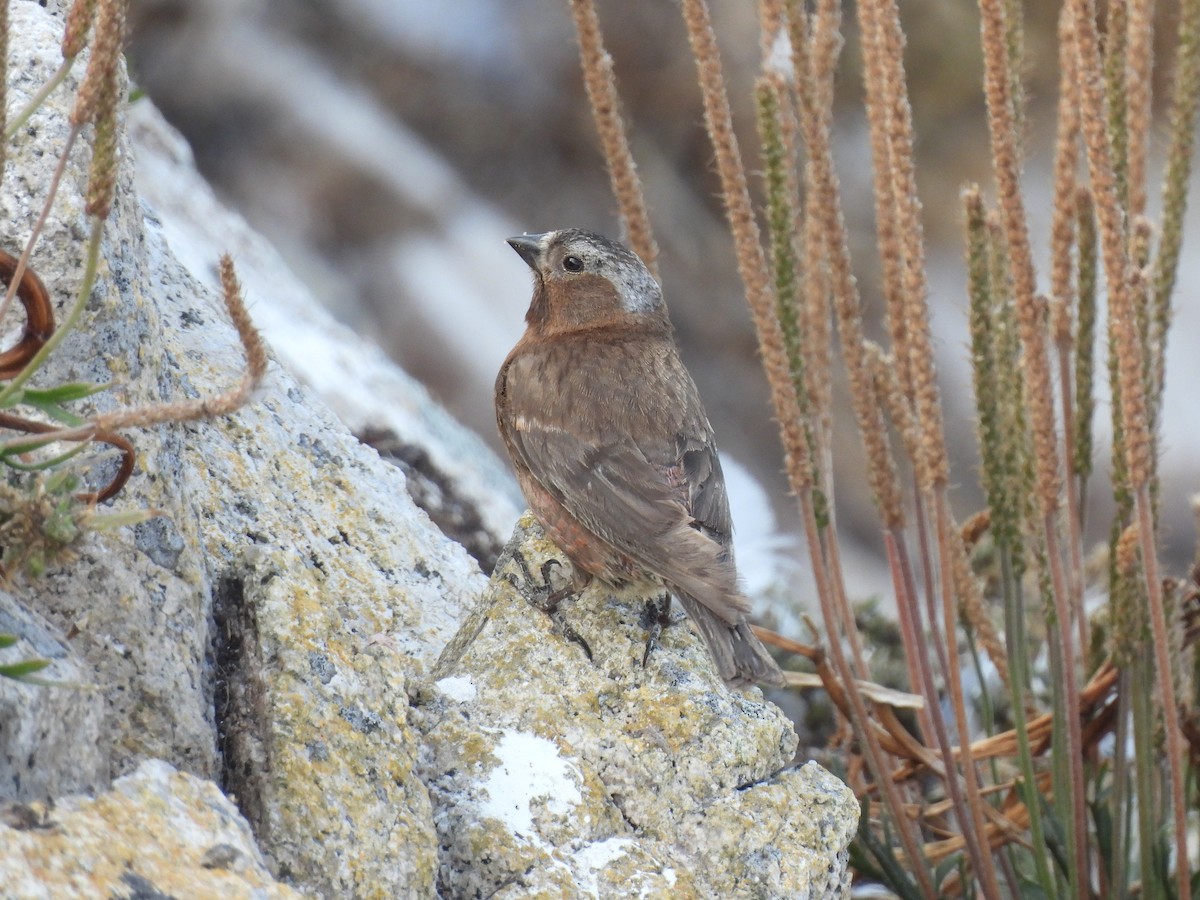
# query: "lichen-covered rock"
x,y
550,768
49,736
263,631
157,833
353,377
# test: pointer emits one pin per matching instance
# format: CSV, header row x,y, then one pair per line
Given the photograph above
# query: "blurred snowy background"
x,y
388,146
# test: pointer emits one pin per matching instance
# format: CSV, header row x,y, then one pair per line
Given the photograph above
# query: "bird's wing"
x,y
707,499
659,502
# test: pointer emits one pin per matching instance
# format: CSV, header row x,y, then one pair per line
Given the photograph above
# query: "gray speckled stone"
x,y
157,833
286,540
547,768
49,736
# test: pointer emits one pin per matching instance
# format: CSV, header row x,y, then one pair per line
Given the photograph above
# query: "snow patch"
x,y
530,768
458,688
591,860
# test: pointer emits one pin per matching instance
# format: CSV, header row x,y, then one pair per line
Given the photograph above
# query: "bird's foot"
x,y
549,599
656,617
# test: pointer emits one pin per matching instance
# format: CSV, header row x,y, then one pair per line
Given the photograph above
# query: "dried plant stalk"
x,y
1138,82
224,403
752,266
891,254
97,102
78,26
816,123
1066,161
1138,445
98,90
895,179
1038,393
188,410
600,82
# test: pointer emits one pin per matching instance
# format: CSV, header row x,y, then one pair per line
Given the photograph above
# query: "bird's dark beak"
x,y
529,246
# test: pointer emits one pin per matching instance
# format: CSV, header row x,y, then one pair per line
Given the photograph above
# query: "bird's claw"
x,y
657,617
548,599
568,631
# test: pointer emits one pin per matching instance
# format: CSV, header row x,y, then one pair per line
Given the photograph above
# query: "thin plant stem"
x,y
925,551
253,349
1018,665
1162,661
833,553
968,823
1060,639
1145,769
1085,351
1066,160
1122,799
981,857
905,587
1074,537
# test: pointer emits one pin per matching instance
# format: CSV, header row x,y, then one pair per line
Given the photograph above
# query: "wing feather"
x,y
641,508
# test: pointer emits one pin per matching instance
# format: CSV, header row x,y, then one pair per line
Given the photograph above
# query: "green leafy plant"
x,y
22,670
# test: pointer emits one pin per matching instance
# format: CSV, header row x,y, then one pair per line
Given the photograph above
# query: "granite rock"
x,y
553,764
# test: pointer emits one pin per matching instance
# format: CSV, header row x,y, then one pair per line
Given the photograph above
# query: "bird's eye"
x,y
573,264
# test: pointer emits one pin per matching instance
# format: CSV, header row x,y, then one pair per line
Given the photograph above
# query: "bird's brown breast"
x,y
602,384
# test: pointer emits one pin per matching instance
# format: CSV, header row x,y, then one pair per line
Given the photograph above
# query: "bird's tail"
x,y
740,656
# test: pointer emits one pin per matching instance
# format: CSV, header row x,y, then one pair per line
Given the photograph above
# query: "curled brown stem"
x,y
128,454
39,316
